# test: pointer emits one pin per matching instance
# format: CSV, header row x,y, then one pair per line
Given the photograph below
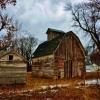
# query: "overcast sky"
x,y
37,16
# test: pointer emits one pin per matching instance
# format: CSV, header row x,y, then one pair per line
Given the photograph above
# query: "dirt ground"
x,y
50,89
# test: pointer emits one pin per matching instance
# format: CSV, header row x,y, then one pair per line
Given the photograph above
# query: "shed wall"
x,y
12,72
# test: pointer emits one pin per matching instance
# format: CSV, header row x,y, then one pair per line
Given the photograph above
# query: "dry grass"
x,y
36,83
71,92
68,93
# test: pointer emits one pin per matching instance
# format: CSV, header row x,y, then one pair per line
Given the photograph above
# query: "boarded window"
x,y
10,57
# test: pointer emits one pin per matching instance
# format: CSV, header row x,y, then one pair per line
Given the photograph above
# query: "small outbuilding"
x,y
13,68
95,57
61,56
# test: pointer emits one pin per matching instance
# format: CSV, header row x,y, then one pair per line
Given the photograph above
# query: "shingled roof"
x,y
47,47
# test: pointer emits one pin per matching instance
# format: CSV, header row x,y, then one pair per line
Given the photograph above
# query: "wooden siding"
x,y
52,35
67,61
14,71
70,57
43,66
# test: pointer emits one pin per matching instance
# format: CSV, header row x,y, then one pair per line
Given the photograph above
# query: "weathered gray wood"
x,y
67,60
12,72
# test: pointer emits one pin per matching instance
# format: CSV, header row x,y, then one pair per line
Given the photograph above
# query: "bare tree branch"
x,y
87,17
3,3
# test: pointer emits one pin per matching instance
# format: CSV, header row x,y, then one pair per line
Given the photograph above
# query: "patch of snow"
x,y
65,85
59,85
44,87
79,83
54,90
31,90
77,87
94,81
89,68
52,86
43,92
92,68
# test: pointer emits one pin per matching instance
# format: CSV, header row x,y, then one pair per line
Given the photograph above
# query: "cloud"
x,y
78,1
37,15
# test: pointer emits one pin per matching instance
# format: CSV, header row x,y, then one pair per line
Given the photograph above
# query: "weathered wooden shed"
x,y
13,68
61,56
95,57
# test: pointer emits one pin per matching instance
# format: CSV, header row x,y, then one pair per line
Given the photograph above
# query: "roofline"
x,y
58,44
42,56
68,33
71,32
14,52
56,30
44,42
81,45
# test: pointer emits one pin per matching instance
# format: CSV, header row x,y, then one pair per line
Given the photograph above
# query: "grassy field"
x,y
50,89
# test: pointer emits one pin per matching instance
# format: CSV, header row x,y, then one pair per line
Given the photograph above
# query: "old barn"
x,y
61,56
13,68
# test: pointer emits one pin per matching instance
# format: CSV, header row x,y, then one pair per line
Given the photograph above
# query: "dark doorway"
x,y
59,75
68,69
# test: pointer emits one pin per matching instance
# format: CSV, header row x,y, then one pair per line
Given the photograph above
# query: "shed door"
x,y
68,69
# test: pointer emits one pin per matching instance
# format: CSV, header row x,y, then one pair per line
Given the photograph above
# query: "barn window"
x,y
10,57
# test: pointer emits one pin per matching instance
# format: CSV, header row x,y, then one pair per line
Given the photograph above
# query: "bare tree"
x,y
86,16
3,3
9,27
25,46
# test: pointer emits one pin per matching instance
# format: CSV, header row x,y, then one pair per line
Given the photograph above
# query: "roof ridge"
x,y
14,52
55,30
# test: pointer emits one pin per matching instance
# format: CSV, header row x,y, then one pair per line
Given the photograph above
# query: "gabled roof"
x,y
79,42
12,52
47,47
